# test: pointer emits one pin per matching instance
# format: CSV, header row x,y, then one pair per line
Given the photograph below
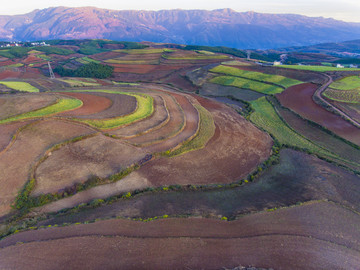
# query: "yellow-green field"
x,y
20,86
318,68
62,105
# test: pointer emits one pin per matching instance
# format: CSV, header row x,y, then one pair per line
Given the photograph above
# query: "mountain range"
x,y
224,27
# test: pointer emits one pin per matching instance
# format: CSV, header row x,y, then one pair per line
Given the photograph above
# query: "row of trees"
x,y
92,70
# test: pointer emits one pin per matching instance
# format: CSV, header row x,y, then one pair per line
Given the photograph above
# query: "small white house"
x,y
277,63
339,66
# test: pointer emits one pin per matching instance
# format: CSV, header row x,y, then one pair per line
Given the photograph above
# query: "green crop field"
x,y
145,108
133,62
89,60
199,56
348,83
276,79
76,83
266,117
141,51
205,133
347,96
318,68
62,105
235,63
247,84
20,86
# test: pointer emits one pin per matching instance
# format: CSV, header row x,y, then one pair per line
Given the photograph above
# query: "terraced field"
x,y
95,172
257,76
20,86
318,68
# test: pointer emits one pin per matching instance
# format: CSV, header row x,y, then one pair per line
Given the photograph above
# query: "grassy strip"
x,y
204,134
20,86
90,60
77,83
145,108
64,104
247,84
197,57
348,83
259,76
266,118
133,62
318,68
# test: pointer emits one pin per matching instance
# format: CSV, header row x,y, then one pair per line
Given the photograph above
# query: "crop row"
x,y
20,86
347,96
258,76
247,84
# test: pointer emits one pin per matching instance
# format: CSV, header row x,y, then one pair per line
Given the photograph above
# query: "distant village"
x,y
23,44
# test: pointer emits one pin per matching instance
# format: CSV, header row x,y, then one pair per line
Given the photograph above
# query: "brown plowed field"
x,y
352,110
22,103
301,237
76,162
7,131
9,74
234,151
139,69
299,99
31,143
158,118
91,104
190,129
172,127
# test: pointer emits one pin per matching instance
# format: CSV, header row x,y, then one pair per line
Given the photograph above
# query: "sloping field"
x,y
159,118
319,136
347,83
272,240
78,83
91,104
77,162
257,76
317,68
266,117
234,139
20,86
247,84
299,99
7,133
210,89
62,105
347,96
353,110
31,143
297,178
11,105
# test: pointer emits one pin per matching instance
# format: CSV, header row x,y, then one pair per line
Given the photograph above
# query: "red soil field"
x,y
91,104
170,128
156,120
300,237
7,131
9,74
190,129
32,59
352,110
139,69
234,151
22,103
299,99
31,143
76,162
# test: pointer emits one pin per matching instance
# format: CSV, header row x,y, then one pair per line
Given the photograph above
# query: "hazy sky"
x,y
347,10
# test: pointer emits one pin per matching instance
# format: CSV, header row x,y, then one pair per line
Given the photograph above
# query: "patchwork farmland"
x,y
151,146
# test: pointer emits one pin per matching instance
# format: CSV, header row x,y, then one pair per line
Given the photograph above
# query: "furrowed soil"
x,y
22,103
98,156
353,110
7,131
300,237
156,120
174,105
31,143
297,178
91,104
299,99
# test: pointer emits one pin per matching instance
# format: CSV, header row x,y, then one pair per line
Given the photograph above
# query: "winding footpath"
x,y
318,96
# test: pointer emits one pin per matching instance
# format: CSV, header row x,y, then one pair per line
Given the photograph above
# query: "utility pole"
x,y
52,75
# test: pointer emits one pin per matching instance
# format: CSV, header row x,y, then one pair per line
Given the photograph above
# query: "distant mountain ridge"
x,y
223,27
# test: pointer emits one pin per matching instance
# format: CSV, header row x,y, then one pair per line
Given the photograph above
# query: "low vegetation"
x,y
347,96
267,118
64,104
145,107
247,84
77,83
258,76
348,83
20,86
204,134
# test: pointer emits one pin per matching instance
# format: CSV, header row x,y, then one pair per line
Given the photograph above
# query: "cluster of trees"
x,y
92,70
